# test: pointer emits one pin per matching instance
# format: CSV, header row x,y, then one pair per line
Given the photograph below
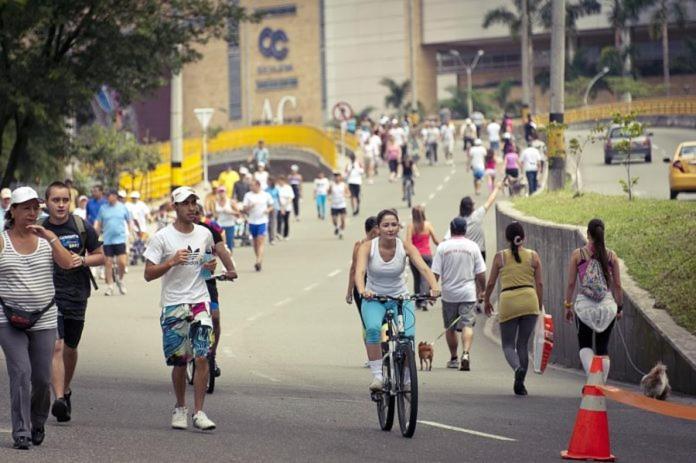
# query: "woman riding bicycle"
x,y
384,261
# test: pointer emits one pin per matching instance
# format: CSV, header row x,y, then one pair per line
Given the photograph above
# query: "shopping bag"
x,y
543,341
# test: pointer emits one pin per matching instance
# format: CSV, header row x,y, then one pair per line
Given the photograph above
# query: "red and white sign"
x,y
342,111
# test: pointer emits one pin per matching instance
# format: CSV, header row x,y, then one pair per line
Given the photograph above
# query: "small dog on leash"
x,y
655,384
425,354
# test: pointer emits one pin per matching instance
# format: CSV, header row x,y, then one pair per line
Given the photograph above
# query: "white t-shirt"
x,y
493,131
398,134
286,195
478,154
529,158
182,284
338,195
447,133
474,228
541,146
139,211
259,203
82,213
262,177
373,146
432,135
321,186
457,261
355,173
225,214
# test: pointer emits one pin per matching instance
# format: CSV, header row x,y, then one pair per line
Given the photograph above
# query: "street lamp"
x,y
469,68
602,73
204,115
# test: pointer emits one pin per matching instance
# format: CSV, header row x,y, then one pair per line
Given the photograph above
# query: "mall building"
x,y
307,55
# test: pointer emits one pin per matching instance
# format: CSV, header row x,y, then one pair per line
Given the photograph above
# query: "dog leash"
x,y
446,329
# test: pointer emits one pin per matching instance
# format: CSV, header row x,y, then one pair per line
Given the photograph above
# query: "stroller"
x,y
241,232
137,249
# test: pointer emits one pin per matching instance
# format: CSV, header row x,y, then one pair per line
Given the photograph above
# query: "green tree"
x,y
574,11
396,98
54,55
457,102
666,12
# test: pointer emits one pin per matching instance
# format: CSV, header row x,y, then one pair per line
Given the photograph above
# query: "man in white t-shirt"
x,y
258,204
432,136
139,212
285,196
338,192
398,132
447,136
493,129
477,156
261,175
531,160
176,254
460,267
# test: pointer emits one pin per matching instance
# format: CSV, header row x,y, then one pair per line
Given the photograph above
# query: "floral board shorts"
x,y
186,332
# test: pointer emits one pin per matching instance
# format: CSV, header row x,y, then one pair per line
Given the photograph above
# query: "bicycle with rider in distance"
x,y
399,370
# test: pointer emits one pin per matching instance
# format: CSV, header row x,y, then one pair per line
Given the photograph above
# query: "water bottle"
x,y
207,257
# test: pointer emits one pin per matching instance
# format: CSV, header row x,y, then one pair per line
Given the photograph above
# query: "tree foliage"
x,y
54,55
396,98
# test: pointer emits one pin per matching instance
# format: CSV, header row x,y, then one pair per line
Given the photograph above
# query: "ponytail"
x,y
9,220
595,229
514,233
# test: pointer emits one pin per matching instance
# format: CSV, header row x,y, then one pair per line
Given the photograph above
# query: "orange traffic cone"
x,y
590,439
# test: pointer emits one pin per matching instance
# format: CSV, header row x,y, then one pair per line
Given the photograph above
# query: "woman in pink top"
x,y
393,154
419,233
512,163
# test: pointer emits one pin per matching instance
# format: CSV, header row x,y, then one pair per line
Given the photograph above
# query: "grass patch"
x,y
655,238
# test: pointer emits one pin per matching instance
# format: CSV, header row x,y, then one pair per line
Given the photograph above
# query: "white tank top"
x,y
387,278
338,195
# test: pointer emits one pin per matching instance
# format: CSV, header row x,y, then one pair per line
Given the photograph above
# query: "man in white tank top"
x,y
338,193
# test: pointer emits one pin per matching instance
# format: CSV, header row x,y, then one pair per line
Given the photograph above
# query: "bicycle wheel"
x,y
211,374
407,391
385,404
190,371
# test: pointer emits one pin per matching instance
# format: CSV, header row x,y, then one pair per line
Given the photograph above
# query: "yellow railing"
x,y
157,184
351,140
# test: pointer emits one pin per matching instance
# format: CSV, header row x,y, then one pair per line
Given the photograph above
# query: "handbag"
x,y
23,319
543,341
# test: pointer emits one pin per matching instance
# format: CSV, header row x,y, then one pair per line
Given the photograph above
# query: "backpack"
x,y
593,285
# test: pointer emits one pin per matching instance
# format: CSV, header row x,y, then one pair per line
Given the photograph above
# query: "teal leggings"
x,y
373,313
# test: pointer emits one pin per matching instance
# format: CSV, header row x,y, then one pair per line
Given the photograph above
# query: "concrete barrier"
x,y
650,334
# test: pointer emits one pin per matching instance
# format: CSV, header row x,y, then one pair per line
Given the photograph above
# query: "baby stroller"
x,y
241,232
137,249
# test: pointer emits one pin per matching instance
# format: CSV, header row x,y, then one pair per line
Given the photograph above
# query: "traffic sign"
x,y
342,111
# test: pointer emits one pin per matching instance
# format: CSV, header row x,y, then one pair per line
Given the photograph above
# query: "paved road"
x,y
293,386
652,178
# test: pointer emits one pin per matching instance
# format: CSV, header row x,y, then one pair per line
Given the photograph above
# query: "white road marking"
x,y
311,287
431,196
439,188
261,375
283,302
467,431
447,179
334,273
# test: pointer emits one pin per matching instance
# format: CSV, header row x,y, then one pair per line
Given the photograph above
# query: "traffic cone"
x,y
590,439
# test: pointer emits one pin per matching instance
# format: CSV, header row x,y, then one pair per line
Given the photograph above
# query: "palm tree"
x,y
397,92
667,11
574,11
513,20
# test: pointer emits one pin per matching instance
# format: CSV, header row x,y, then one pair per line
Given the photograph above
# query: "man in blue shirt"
x,y
113,222
260,154
95,203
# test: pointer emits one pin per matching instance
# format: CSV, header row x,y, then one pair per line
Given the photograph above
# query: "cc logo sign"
x,y
270,43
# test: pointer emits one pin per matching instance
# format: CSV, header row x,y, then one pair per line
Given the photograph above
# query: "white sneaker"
x,y
180,418
121,287
377,384
109,291
202,422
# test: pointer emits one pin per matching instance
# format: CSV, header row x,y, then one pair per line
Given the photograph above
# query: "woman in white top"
x,y
384,261
321,189
354,174
373,149
227,213
27,254
286,195
338,194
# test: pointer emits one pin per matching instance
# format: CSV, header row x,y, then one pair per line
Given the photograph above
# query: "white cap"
x,y
81,198
506,136
477,142
395,121
294,168
23,194
122,193
182,193
135,194
467,120
243,170
5,193
262,164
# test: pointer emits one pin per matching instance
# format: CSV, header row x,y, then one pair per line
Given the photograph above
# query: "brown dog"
x,y
655,384
425,354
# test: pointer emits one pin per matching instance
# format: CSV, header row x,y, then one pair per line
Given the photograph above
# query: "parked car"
x,y
682,169
641,145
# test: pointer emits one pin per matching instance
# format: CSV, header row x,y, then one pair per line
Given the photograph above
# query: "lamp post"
x,y
204,115
469,69
602,73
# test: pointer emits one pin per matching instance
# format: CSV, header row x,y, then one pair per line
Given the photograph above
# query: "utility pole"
x,y
556,142
176,130
524,44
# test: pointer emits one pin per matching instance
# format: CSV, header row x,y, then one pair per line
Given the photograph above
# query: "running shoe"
x,y
257,267
67,397
60,410
336,231
180,418
453,363
109,291
340,235
22,443
121,287
518,387
202,422
377,384
38,435
465,362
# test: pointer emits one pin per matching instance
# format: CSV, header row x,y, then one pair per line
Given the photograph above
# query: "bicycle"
x,y
399,371
191,365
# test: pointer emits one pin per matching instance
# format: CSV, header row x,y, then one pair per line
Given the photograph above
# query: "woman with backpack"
x,y
595,271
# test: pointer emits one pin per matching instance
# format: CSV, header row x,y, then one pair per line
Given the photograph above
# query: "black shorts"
x,y
338,211
514,173
111,250
393,165
71,321
354,189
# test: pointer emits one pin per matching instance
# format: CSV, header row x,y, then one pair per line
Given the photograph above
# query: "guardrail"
x,y
157,184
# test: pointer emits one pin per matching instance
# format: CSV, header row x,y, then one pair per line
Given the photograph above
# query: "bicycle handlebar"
x,y
410,297
222,277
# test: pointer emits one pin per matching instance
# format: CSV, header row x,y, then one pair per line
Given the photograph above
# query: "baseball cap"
x,y
122,193
182,193
262,164
458,226
477,142
294,168
135,194
5,193
23,194
243,170
82,197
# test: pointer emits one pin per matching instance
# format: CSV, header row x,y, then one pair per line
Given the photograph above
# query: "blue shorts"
x,y
478,174
258,229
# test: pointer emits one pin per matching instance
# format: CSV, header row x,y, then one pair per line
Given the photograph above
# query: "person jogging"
x,y
354,175
113,222
520,300
596,272
477,156
176,255
383,260
321,190
459,266
72,287
29,314
258,205
338,194
419,233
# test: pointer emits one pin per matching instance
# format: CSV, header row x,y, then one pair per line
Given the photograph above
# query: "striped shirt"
x,y
26,281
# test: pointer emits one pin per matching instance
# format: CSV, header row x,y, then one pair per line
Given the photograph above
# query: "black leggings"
x,y
283,224
296,200
601,339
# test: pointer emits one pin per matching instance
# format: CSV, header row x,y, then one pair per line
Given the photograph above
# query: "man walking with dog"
x,y
460,267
